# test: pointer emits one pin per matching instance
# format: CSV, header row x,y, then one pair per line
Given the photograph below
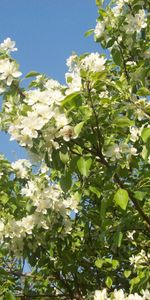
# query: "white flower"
x,y
31,123
1,225
26,224
135,23
44,169
135,297
140,114
93,62
148,159
118,8
56,96
8,45
13,130
52,84
71,203
37,96
130,234
131,63
39,78
1,174
73,81
49,135
29,189
71,62
8,71
139,259
114,152
135,133
100,295
119,295
146,295
61,119
99,29
43,110
67,132
21,167
132,151
47,97
141,20
104,94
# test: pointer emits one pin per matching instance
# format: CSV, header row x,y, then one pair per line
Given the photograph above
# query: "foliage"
x,y
79,214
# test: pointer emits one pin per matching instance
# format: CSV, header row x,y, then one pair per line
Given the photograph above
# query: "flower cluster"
x,y
121,16
135,23
116,151
8,45
120,295
99,29
43,117
44,198
8,68
40,115
140,260
45,195
21,168
8,71
93,63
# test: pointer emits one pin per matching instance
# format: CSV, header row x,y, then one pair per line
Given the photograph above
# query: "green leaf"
x,y
108,282
118,238
144,153
4,198
32,74
66,182
123,121
78,127
84,165
115,264
99,263
139,74
89,32
56,161
94,190
3,272
116,55
134,281
72,99
139,195
9,296
121,198
145,134
103,208
102,11
99,2
127,273
110,42
64,157
143,92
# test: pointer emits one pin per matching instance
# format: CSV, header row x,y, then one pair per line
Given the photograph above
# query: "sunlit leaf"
x,y
121,198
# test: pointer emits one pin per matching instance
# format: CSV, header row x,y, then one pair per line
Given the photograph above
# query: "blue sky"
x,y
46,32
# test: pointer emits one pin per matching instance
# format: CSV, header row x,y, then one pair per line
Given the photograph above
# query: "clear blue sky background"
x,y
46,32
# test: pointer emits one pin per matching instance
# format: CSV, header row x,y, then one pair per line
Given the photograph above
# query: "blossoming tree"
x,y
74,220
